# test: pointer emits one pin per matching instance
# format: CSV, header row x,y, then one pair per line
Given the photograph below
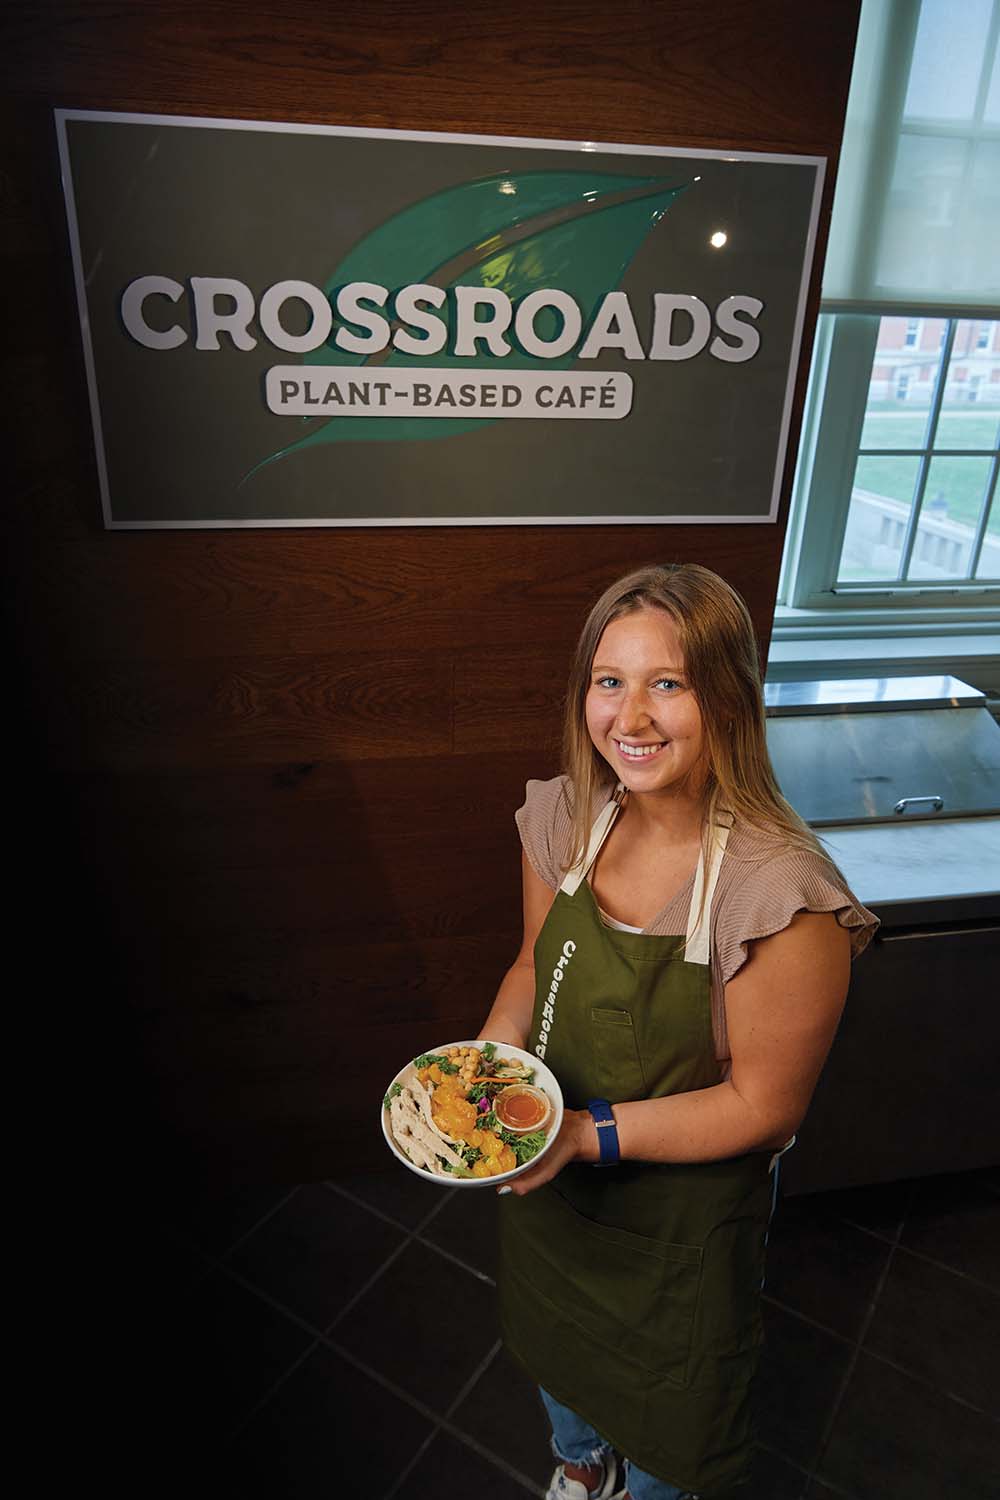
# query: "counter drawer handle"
x,y
904,802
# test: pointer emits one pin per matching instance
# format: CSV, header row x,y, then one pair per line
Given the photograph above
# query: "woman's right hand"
x,y
576,1141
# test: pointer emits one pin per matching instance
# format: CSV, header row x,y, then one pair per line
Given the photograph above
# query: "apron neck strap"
x,y
603,824
698,940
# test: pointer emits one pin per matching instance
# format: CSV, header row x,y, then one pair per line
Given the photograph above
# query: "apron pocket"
x,y
623,1291
616,1055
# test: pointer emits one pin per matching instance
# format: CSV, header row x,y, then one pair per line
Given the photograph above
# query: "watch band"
x,y
607,1132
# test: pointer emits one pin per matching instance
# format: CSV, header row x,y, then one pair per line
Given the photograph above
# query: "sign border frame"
x,y
62,116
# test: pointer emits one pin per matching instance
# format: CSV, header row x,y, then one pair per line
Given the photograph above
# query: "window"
x,y
896,490
924,485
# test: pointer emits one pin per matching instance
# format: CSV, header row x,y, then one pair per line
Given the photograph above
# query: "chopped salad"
x,y
443,1118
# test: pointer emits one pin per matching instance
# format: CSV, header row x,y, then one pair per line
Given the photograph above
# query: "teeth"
x,y
636,752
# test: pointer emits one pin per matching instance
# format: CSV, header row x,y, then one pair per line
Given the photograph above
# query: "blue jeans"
x,y
574,1441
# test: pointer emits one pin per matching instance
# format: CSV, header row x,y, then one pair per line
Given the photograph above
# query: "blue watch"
x,y
607,1132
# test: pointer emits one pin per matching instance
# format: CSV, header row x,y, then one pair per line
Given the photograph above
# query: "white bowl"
x,y
544,1079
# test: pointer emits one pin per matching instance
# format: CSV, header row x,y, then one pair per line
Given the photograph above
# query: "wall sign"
x,y
314,326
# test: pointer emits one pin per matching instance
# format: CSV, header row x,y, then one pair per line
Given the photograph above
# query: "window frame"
x,y
810,601
843,357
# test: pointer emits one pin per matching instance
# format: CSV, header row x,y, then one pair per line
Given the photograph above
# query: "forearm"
x,y
510,1017
704,1125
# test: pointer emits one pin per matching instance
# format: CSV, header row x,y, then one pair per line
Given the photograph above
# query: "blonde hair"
x,y
722,669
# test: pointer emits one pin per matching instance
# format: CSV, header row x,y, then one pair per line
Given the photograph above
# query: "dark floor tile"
x,y
771,1478
329,1430
881,1207
139,1255
214,1219
467,1228
504,1413
822,1266
956,1220
396,1192
153,1259
943,1327
315,1252
800,1375
214,1357
897,1437
426,1324
450,1468
176,1263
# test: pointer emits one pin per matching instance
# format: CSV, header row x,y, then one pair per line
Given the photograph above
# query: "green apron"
x,y
631,1292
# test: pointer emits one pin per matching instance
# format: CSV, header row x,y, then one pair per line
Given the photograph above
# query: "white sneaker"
x,y
562,1488
623,1493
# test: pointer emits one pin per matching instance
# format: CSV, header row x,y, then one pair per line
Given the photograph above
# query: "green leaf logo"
x,y
577,230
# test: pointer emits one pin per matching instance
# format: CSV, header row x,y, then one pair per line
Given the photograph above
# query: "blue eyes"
x,y
667,684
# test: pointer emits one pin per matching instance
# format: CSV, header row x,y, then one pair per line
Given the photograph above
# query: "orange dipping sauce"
x,y
522,1107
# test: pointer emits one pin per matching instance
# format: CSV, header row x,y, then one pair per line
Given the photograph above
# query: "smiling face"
x,y
641,714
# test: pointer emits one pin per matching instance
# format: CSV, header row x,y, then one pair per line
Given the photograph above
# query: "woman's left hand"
x,y
576,1141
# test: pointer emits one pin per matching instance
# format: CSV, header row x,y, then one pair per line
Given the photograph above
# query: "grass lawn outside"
x,y
961,482
964,427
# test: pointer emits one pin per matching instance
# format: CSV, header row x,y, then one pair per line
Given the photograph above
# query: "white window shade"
x,y
916,215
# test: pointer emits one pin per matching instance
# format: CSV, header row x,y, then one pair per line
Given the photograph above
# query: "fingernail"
x,y
505,1189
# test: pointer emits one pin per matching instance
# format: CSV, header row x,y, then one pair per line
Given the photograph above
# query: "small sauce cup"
x,y
522,1108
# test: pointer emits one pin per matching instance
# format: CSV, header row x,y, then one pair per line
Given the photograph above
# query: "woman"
x,y
685,960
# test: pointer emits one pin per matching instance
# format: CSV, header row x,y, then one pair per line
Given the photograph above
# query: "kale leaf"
x,y
524,1147
428,1059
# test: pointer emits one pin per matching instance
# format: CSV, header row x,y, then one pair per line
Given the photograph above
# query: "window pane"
x,y
955,32
953,502
970,412
943,220
991,114
919,243
989,558
904,373
876,522
979,216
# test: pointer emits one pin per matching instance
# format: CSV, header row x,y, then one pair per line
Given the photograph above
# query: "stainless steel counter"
x,y
944,870
901,780
868,695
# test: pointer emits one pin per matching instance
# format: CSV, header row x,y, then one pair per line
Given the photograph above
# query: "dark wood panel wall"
x,y
269,775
